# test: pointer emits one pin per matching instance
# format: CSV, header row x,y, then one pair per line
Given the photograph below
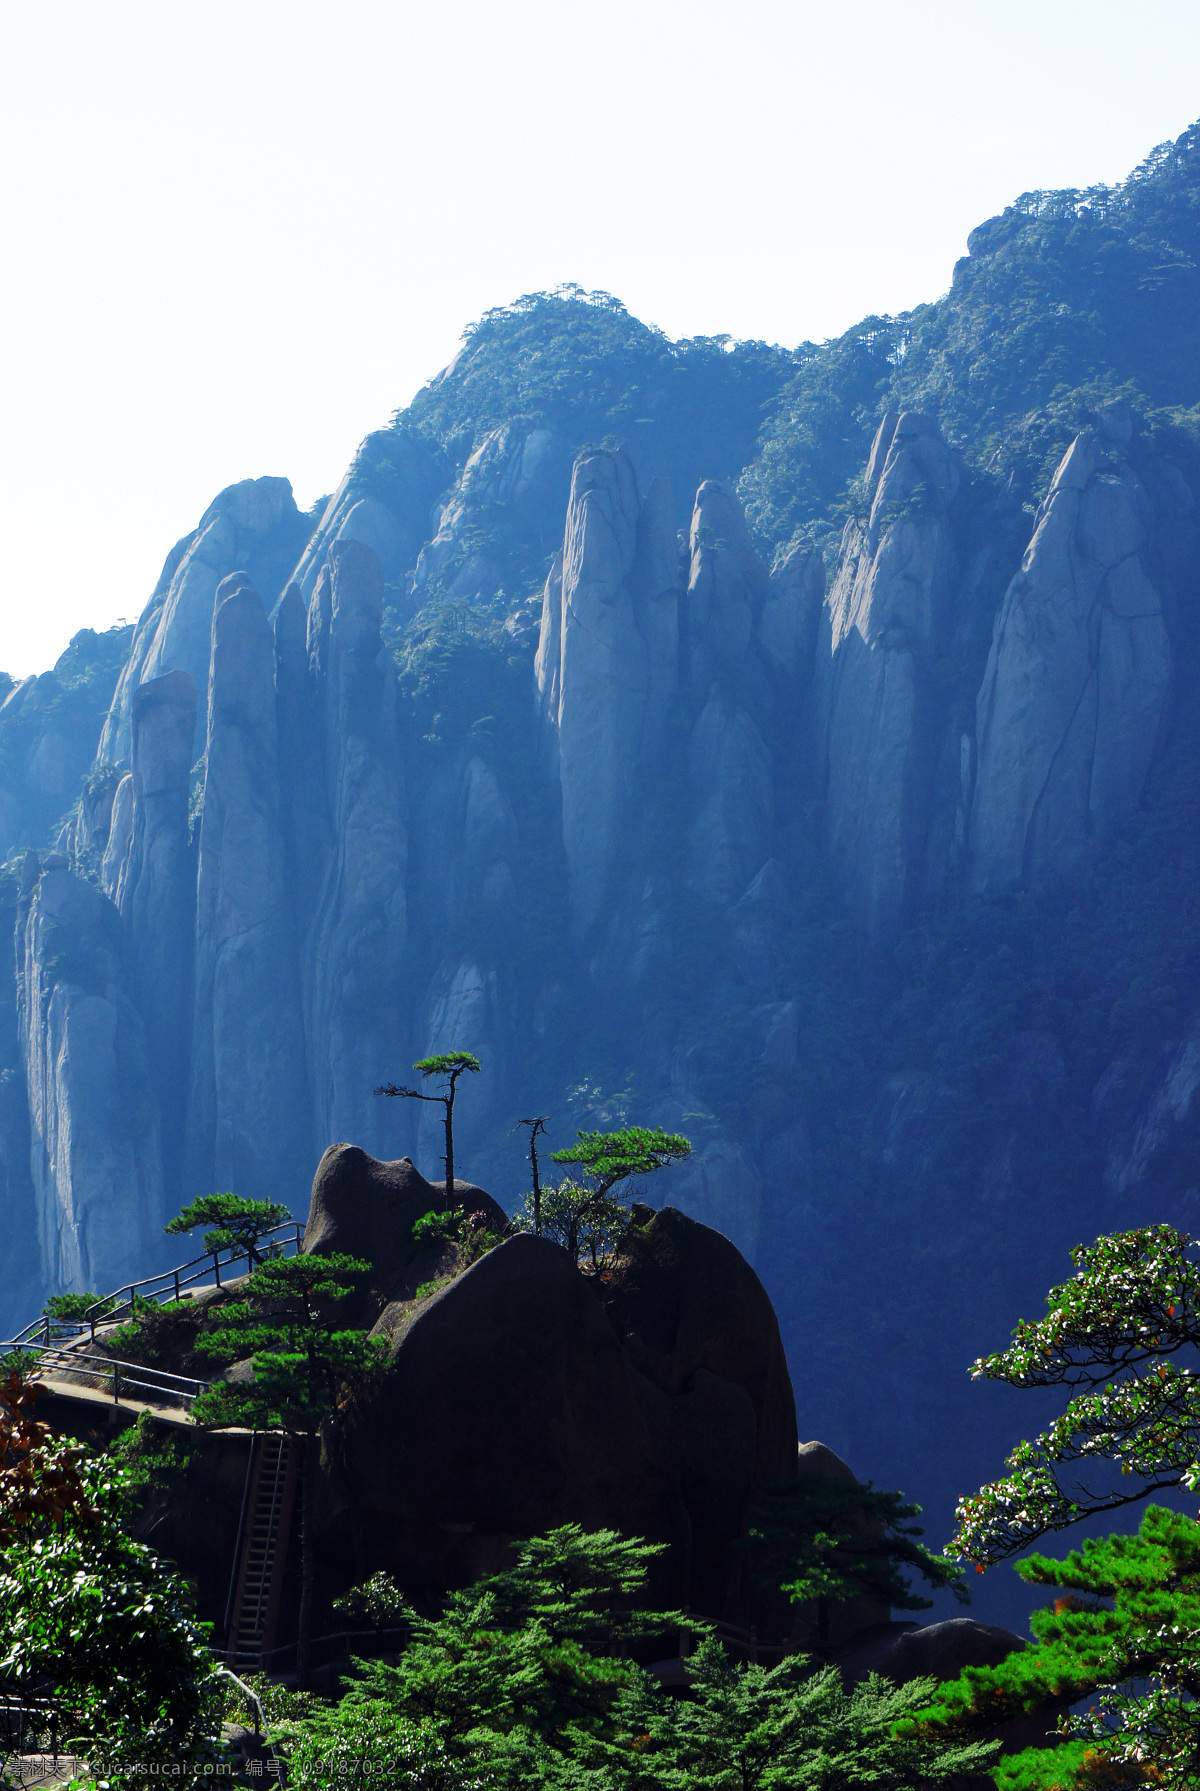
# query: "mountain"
x,y
796,749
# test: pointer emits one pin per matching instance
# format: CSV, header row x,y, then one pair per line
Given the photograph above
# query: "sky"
x,y
239,235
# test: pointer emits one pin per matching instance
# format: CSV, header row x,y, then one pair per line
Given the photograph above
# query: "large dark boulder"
x,y
511,1408
683,1298
525,1394
363,1207
941,1651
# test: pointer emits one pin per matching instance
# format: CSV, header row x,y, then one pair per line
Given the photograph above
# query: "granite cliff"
x,y
799,749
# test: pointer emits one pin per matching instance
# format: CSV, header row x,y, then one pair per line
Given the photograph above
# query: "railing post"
x,y
46,1330
116,1383
177,1284
217,1266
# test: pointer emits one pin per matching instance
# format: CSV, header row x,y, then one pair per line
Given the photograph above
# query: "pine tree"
x,y
239,1223
818,1538
451,1065
1111,1335
1131,1613
285,1319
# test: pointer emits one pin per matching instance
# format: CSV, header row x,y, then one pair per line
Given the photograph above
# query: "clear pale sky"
x,y
238,233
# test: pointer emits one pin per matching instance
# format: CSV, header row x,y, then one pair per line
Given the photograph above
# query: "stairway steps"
x,y
266,1545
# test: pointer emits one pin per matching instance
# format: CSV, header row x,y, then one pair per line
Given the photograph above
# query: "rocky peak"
x,y
253,526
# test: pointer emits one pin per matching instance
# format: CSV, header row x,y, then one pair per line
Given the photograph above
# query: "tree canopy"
x,y
1131,1423
1126,1629
607,1158
239,1223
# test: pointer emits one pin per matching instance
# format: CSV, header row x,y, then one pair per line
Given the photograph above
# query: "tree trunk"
x,y
450,1145
308,1479
537,1185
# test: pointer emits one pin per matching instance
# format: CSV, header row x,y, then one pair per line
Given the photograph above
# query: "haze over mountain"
x,y
799,750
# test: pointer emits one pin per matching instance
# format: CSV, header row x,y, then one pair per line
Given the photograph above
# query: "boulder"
x,y
942,1650
526,1394
851,1617
511,1409
719,1186
684,1299
1074,697
362,1207
249,1115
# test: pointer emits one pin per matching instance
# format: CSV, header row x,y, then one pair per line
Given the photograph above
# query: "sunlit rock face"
x,y
248,1110
606,662
252,527
1075,694
890,616
95,1153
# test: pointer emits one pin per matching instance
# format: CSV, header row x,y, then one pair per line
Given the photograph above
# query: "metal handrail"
x,y
124,1376
159,1288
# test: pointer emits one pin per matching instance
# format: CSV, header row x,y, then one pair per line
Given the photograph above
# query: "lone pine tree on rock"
x,y
239,1224
285,1319
451,1065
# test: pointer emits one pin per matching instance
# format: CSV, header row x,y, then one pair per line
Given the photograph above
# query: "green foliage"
x,y
1109,1335
156,1336
156,1457
71,1306
279,1703
579,363
377,1602
820,1538
239,1222
750,1728
20,1361
607,1158
447,1063
362,1744
285,1319
1128,1629
1066,300
578,1218
437,1228
108,1630
506,1675
468,1232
